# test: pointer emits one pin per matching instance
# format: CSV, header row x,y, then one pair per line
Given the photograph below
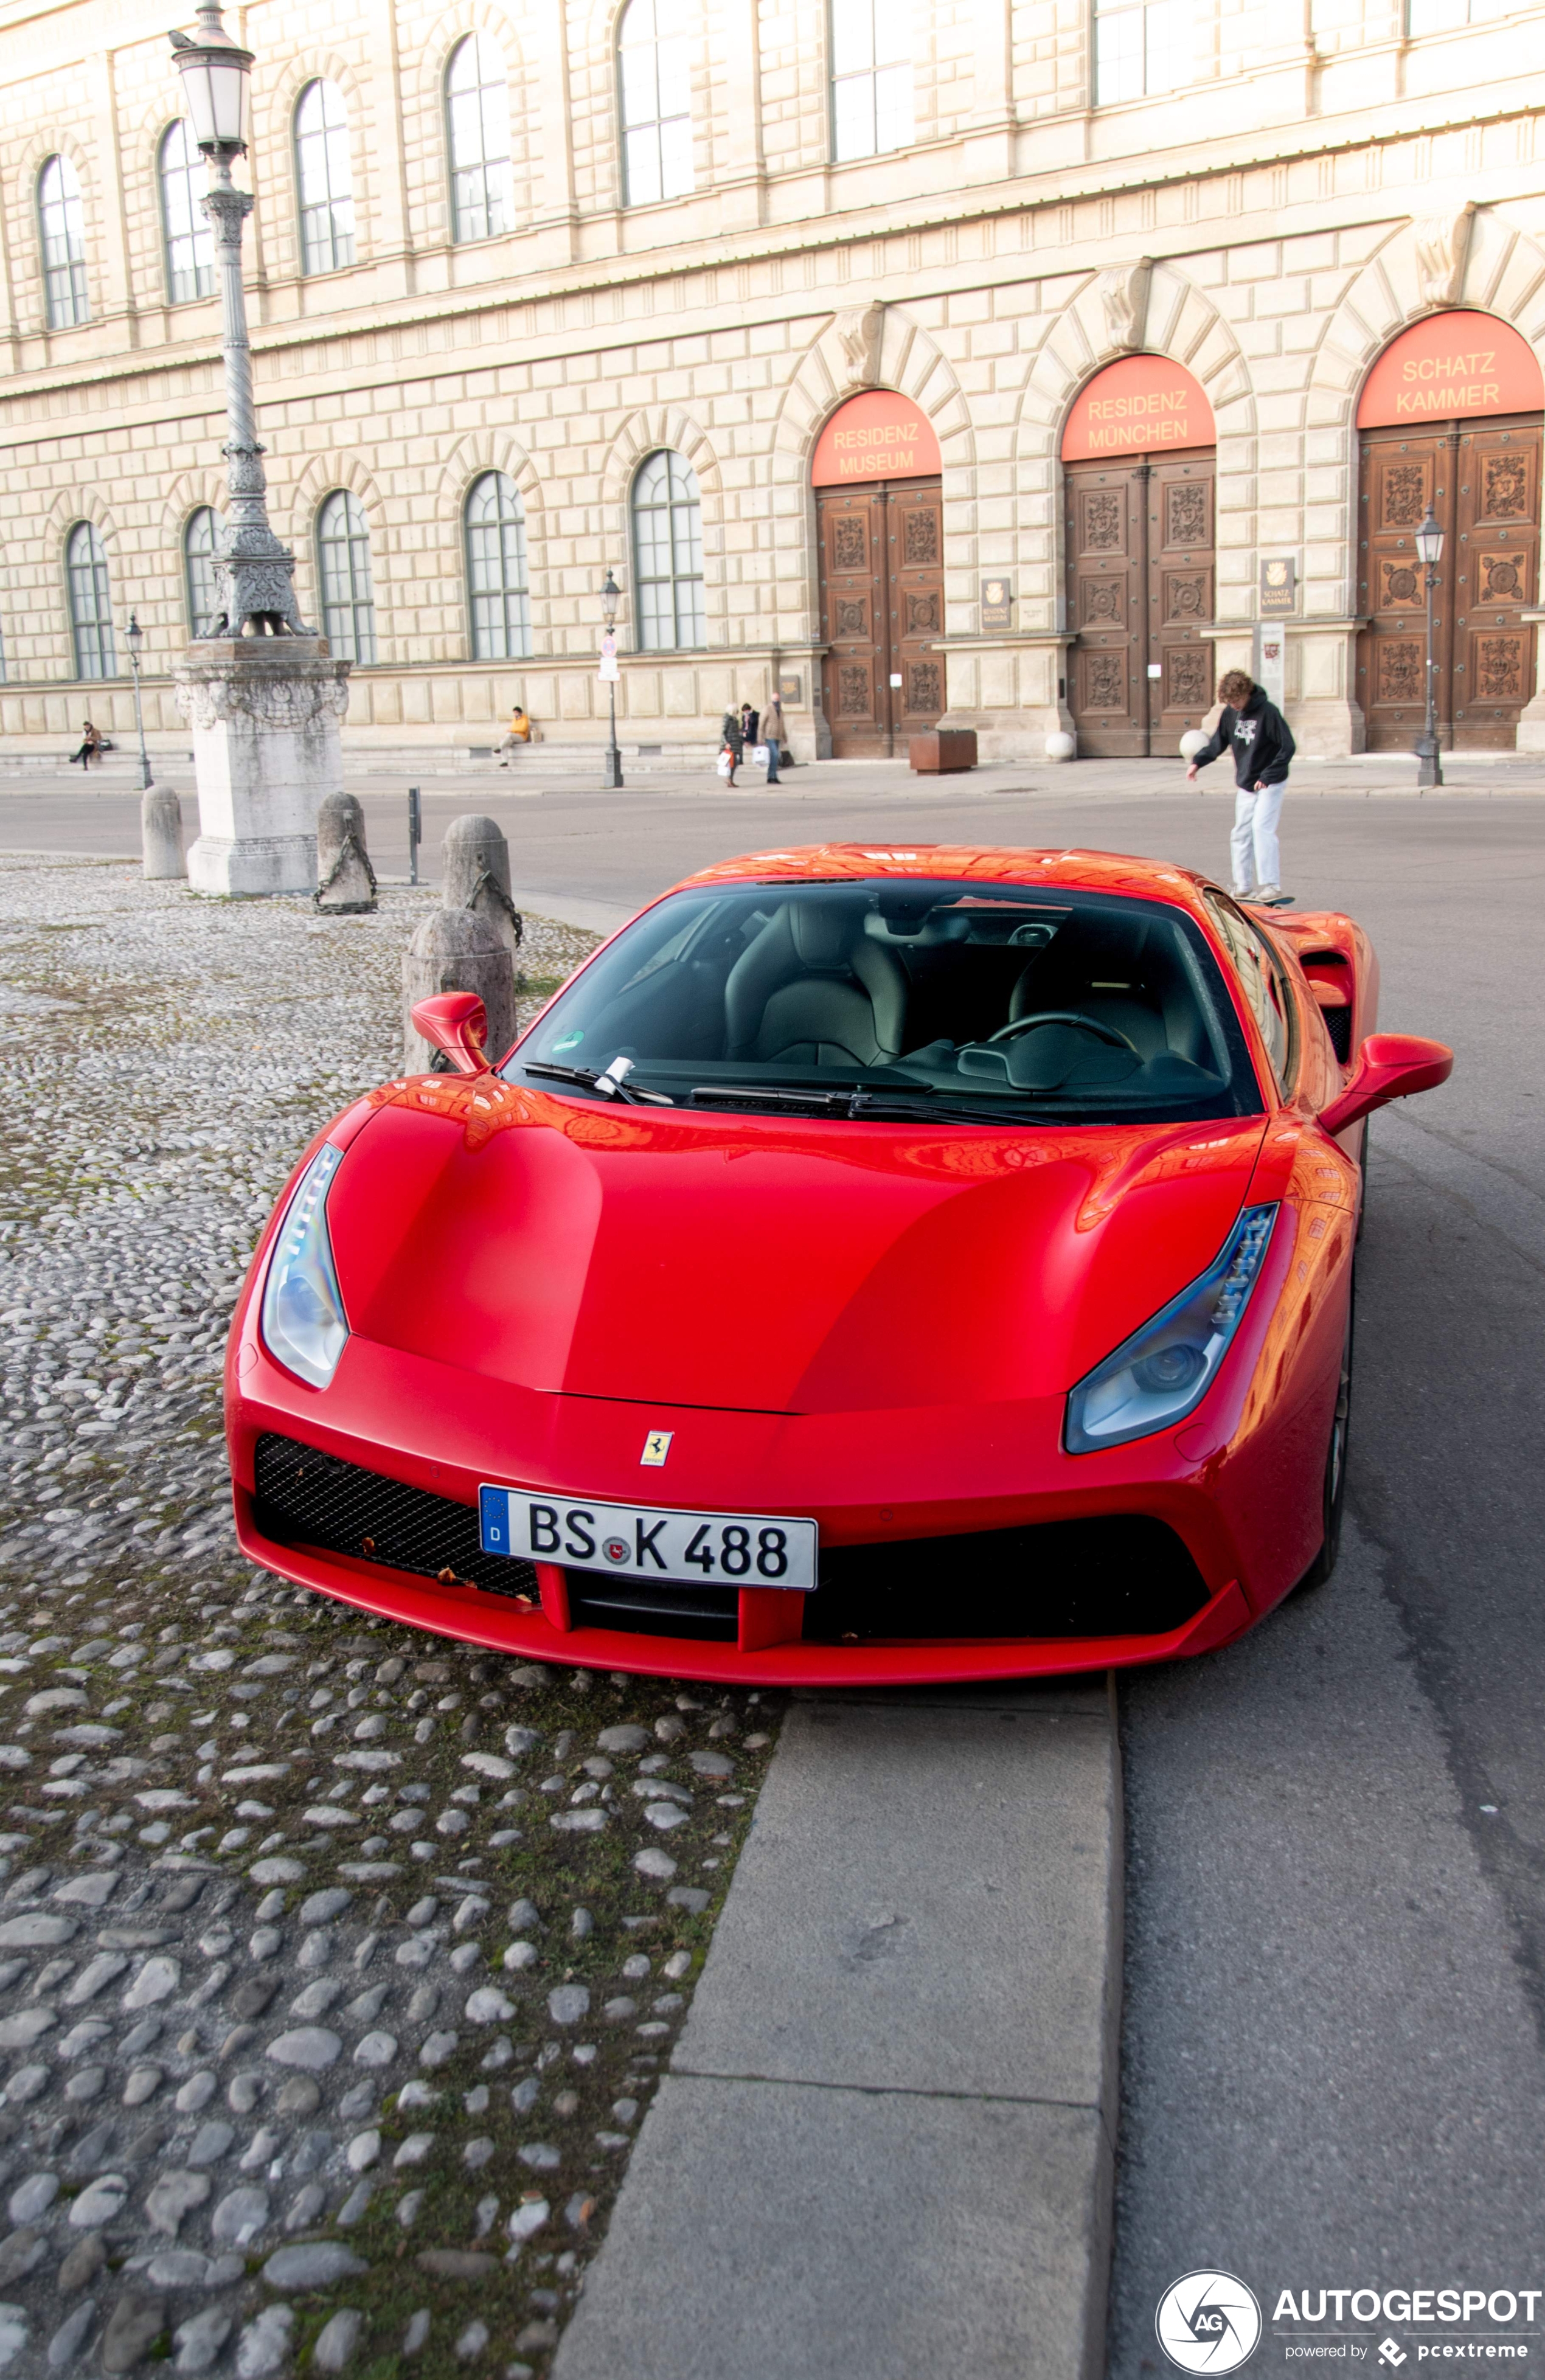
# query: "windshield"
x,y
973,1003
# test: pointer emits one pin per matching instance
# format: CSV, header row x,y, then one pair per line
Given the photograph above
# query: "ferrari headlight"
x,y
304,1325
1154,1378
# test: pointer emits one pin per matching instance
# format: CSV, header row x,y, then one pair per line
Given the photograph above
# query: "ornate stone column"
x,y
263,695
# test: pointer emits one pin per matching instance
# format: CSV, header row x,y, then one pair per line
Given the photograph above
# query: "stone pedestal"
x,y
264,713
161,835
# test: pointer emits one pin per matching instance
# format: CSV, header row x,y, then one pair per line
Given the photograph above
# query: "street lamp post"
x,y
134,638
610,594
1429,763
257,574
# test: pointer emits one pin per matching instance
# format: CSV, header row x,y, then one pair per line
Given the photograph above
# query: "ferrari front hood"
x,y
777,1267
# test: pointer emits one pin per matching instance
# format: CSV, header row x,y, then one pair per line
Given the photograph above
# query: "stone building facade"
x,y
504,259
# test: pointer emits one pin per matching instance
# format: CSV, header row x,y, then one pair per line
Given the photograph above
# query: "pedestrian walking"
x,y
773,736
91,744
732,737
1261,742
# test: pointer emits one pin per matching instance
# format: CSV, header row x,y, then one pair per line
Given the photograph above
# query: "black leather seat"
x,y
814,990
1123,974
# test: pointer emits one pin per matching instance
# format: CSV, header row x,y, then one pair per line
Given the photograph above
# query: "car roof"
x,y
1094,872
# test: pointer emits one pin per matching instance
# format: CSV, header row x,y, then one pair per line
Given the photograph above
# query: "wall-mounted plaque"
x,y
1279,586
997,604
791,687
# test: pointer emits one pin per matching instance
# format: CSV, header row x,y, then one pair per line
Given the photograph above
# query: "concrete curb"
x,y
885,2144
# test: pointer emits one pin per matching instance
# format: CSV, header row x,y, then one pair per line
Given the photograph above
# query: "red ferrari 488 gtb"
x,y
873,1264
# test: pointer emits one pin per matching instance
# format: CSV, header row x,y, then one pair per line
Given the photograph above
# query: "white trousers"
x,y
1253,845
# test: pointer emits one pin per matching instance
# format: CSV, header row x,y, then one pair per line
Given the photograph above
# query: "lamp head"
x,y
134,638
216,76
610,595
1429,538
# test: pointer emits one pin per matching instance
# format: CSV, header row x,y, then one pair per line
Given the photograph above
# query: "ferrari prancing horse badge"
x,y
657,1445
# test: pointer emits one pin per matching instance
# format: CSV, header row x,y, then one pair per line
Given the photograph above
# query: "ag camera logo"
x,y
1207,2322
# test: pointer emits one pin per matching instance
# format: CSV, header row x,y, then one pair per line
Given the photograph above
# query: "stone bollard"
x,y
475,874
346,880
455,950
161,834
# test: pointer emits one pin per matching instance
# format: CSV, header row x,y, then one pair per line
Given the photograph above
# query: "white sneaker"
x,y
1265,894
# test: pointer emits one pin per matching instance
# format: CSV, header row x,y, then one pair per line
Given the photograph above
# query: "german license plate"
x,y
630,1541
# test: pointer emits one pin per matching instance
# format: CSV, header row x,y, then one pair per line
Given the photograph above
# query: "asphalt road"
x,y
1335,2043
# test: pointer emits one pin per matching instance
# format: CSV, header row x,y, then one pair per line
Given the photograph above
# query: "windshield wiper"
x,y
611,1082
858,1103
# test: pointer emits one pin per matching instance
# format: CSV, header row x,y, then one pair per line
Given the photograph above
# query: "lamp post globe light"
x,y
611,595
255,572
1429,546
134,638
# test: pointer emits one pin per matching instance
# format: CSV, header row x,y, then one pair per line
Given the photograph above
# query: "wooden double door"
x,y
881,613
1139,546
1482,481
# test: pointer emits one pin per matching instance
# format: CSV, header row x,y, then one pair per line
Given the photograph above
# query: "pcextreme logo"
x,y
1207,2322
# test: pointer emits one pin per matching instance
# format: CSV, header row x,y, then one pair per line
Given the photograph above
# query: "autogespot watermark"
x,y
1210,2322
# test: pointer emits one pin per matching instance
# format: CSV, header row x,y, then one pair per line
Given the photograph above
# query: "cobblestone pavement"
x,y
337,1963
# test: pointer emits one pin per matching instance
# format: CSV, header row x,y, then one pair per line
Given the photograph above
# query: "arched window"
x,y
91,603
668,554
200,547
62,230
1141,46
871,77
344,576
655,77
496,569
184,228
323,179
477,119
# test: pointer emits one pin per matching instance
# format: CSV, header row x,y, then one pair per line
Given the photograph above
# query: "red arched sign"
x,y
1450,367
1139,401
877,436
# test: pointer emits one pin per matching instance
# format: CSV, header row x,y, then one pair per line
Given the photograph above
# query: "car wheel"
x,y
1333,1492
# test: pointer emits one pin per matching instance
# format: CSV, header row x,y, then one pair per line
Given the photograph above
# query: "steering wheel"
x,y
1018,1024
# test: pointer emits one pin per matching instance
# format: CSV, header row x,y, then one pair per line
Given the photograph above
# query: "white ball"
x,y
1061,747
1191,743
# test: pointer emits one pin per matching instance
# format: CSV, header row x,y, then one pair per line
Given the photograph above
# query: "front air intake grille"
x,y
1120,1575
1124,1575
307,1497
711,1613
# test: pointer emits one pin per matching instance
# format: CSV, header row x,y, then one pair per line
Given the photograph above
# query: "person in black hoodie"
x,y
1262,745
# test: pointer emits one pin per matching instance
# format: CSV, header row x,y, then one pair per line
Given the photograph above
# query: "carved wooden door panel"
x,y
1497,516
1180,535
1105,606
854,619
1139,543
1401,476
1482,480
881,613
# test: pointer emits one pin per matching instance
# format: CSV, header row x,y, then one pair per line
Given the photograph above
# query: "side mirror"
x,y
456,1022
1389,1066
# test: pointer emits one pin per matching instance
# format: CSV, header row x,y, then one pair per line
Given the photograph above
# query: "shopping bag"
x,y
758,755
727,761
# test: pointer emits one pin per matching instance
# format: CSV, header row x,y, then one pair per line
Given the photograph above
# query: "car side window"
x,y
1263,984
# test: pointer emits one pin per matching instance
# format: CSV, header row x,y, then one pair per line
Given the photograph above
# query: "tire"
x,y
1334,1488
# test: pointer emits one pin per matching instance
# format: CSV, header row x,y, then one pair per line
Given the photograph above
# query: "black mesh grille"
x,y
1338,1025
1122,1576
307,1497
1125,1575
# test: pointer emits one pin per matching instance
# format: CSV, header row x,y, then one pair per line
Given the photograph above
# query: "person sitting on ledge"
x,y
91,744
520,732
